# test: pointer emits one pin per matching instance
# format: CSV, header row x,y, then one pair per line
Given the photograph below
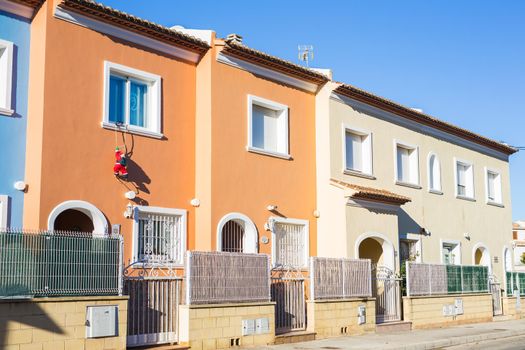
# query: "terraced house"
x,y
253,197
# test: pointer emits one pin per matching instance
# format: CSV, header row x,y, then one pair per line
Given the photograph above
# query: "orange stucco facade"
x,y
77,154
202,154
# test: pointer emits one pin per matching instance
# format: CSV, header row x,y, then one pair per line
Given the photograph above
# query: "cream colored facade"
x,y
430,219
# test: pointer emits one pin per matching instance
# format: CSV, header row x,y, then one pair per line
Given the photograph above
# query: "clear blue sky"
x,y
461,61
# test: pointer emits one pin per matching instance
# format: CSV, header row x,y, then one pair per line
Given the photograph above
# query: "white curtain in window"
x,y
354,151
265,128
403,164
434,174
462,179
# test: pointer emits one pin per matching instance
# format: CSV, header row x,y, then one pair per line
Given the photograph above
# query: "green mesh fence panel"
x,y
58,264
521,281
454,279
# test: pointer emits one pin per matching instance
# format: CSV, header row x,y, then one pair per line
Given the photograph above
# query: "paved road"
x,y
511,343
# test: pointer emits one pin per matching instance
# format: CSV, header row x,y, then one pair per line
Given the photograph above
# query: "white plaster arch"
x,y
100,223
436,175
485,255
389,259
507,259
250,239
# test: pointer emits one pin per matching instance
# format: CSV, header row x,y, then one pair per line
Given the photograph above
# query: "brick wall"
x,y
56,324
331,318
427,312
214,326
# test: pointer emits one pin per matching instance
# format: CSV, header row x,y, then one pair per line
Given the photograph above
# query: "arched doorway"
x,y
76,215
481,256
376,247
236,233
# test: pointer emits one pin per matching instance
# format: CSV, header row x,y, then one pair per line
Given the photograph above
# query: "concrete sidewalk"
x,y
415,340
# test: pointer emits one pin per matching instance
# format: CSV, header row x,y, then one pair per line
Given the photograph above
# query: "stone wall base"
x,y
220,326
428,311
332,318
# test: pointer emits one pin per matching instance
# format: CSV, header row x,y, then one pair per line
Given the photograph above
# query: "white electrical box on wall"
x,y
248,327
458,305
361,314
262,325
102,321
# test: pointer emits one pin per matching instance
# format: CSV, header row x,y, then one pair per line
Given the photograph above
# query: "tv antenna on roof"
x,y
306,53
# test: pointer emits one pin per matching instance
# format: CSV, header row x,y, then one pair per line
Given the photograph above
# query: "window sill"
x,y
268,153
6,112
358,174
133,130
435,192
496,204
470,199
408,184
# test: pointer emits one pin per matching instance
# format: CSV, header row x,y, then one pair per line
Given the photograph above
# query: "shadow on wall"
x,y
406,224
29,314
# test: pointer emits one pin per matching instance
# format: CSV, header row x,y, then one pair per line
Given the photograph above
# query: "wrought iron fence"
x,y
515,282
46,264
340,278
218,277
438,279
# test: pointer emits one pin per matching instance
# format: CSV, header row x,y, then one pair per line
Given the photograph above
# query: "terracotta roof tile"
x,y
31,3
409,113
129,22
369,193
273,62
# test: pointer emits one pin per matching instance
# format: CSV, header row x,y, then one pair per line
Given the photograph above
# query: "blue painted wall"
x,y
13,129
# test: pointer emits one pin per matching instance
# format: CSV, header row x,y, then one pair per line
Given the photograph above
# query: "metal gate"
x,y
288,292
495,291
153,308
387,291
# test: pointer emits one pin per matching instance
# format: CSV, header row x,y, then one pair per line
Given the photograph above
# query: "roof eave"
x,y
421,118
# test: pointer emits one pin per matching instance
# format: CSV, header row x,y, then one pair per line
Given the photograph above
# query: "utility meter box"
x,y
458,305
262,325
361,314
102,321
248,327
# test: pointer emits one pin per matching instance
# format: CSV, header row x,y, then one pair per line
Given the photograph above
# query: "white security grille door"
x,y
290,245
160,238
232,237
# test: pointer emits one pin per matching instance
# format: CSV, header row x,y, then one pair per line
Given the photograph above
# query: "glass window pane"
x,y
403,159
265,128
492,186
117,93
137,104
354,151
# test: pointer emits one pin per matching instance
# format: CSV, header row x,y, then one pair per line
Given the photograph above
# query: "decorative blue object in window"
x,y
117,93
137,104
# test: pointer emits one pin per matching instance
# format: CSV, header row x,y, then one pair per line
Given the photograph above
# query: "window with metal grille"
x,y
160,235
290,243
232,237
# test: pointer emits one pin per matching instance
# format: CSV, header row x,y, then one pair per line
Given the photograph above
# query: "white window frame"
x,y
153,107
439,189
414,181
4,211
6,88
278,107
457,249
498,201
367,152
162,211
414,238
306,225
471,180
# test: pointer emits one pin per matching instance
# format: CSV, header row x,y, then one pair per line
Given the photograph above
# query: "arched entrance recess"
x,y
376,247
77,215
236,233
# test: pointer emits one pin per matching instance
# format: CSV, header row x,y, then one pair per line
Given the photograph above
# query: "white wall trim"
x,y
499,190
160,210
449,241
473,180
275,106
419,128
251,237
100,223
414,148
4,211
83,21
6,88
429,171
387,246
17,9
267,73
370,147
291,221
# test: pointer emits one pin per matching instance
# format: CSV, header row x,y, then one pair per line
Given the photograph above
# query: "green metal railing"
x,y
44,264
439,279
515,281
